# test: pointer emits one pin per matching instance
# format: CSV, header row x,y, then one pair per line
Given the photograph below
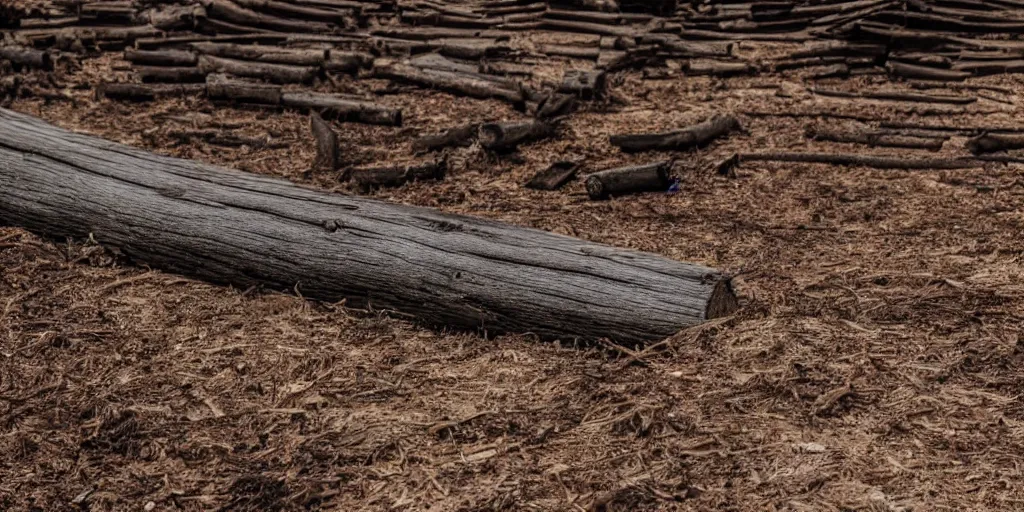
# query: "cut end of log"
x,y
723,300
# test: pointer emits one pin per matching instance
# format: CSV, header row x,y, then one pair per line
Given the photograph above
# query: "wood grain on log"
x,y
368,178
688,138
220,87
276,73
452,271
236,14
508,135
161,57
447,81
905,70
147,92
255,53
652,177
587,85
343,109
150,74
459,136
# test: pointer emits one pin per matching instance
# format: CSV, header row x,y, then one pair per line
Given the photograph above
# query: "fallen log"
x,y
26,57
876,138
852,160
554,176
451,271
220,138
508,135
991,142
450,82
147,92
714,68
276,73
463,136
326,143
271,54
575,52
688,138
233,13
220,87
161,57
343,109
182,75
369,178
629,180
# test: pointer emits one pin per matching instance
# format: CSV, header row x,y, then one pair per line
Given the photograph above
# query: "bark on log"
x,y
688,138
554,177
447,270
271,54
233,13
587,28
343,109
508,135
147,92
575,52
276,73
161,57
397,175
714,68
220,87
26,57
347,62
186,75
326,143
622,181
587,85
289,10
463,136
991,142
876,138
450,82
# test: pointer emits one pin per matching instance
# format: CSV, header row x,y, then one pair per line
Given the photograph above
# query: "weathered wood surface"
x,y
687,138
232,227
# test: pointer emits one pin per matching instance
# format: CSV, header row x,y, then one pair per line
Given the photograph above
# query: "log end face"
x,y
723,301
595,188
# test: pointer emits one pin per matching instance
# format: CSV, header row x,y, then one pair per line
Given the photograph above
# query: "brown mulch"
x,y
875,365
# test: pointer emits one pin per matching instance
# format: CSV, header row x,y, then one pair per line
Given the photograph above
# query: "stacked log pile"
x,y
268,53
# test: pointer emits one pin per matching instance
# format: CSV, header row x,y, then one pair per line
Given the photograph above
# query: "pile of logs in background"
x,y
286,54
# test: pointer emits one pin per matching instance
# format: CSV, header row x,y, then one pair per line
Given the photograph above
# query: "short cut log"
x,y
688,138
238,228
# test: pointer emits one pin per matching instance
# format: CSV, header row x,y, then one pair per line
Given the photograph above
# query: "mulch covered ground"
x,y
875,364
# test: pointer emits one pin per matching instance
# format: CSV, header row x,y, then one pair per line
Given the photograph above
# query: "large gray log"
x,y
233,227
688,138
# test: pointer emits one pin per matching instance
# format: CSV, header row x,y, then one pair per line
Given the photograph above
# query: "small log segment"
x,y
451,271
451,82
326,143
147,92
852,160
554,176
343,109
463,136
178,58
622,181
905,70
368,178
220,87
181,75
688,138
22,57
275,73
508,135
876,138
991,142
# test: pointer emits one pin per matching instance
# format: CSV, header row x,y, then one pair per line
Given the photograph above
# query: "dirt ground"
x,y
875,364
